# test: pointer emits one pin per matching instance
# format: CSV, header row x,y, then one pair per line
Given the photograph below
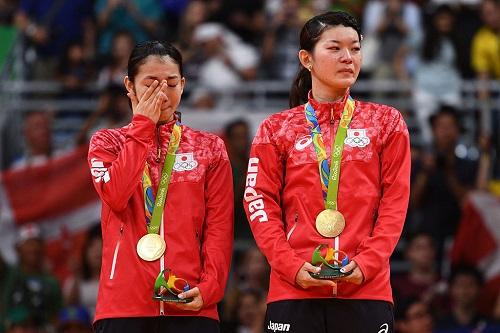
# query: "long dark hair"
x,y
309,35
151,48
432,40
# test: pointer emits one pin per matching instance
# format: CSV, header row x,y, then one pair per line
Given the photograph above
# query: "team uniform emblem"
x,y
185,162
357,138
303,142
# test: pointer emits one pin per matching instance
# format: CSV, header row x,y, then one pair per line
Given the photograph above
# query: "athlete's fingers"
x,y
196,304
150,91
308,267
349,267
133,100
158,101
190,293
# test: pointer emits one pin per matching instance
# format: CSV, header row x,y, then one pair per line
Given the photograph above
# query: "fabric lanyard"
x,y
330,177
154,212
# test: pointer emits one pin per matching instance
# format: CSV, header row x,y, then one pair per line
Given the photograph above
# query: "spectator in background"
x,y
237,140
37,132
486,42
248,314
392,23
173,11
485,57
7,11
195,14
20,320
441,181
464,286
279,47
74,319
254,270
422,277
228,59
412,316
28,285
49,26
81,289
140,17
244,17
113,111
74,71
4,273
252,281
115,68
436,79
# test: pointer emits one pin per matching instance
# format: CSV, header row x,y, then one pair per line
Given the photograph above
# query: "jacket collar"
x,y
329,110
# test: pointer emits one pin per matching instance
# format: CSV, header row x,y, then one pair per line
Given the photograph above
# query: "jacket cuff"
x,y
290,268
363,266
142,127
209,291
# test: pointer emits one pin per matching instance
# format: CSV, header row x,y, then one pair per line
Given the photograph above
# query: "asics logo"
x,y
384,328
303,142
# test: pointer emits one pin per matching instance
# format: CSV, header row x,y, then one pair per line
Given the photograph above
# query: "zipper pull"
x,y
158,153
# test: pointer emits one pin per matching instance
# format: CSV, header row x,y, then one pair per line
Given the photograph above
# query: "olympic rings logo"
x,y
357,141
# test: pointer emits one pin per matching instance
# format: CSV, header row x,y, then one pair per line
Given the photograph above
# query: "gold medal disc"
x,y
330,223
151,247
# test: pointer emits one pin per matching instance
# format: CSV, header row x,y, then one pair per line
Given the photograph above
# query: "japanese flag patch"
x,y
357,138
185,162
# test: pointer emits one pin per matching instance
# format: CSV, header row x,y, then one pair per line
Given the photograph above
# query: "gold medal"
x,y
330,223
151,247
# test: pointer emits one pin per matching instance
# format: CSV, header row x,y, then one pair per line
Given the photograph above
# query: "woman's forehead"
x,y
339,33
158,66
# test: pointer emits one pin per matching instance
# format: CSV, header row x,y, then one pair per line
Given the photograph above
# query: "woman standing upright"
x,y
349,212
167,208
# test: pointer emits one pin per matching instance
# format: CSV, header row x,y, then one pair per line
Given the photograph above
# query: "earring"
x,y
309,68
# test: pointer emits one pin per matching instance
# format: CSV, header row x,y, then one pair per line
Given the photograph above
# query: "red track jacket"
x,y
198,216
283,195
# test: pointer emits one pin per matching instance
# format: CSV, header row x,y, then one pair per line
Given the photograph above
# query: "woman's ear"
x,y
305,59
183,83
129,85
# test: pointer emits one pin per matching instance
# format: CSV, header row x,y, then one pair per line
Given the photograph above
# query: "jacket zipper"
x,y
162,262
115,255
158,147
293,228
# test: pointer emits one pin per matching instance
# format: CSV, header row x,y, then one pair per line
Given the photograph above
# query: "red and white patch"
x,y
99,171
357,138
185,162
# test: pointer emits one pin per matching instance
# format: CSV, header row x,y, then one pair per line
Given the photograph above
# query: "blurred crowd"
x,y
431,44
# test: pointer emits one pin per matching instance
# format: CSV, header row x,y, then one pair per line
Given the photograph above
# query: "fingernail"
x,y
342,270
181,296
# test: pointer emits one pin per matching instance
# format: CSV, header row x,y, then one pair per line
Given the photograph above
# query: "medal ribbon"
x,y
330,177
154,211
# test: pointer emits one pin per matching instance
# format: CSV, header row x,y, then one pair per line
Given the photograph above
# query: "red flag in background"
x,y
477,243
58,196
